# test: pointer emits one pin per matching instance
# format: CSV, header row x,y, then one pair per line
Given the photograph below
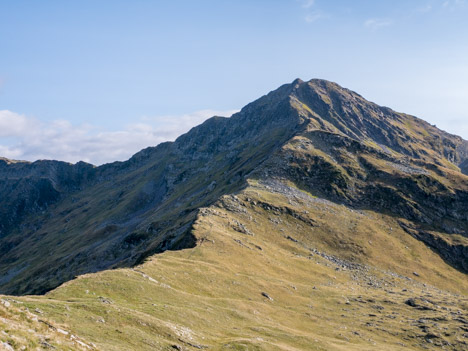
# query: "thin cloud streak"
x,y
27,138
314,16
425,9
453,4
376,23
308,3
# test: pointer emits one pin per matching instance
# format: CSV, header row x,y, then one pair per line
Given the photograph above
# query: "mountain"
x,y
246,231
76,219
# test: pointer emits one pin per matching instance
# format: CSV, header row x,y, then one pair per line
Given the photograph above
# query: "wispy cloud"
x,y
448,5
425,9
376,23
307,3
315,16
453,4
28,138
312,14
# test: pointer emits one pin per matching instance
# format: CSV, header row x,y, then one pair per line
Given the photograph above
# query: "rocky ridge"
x,y
327,140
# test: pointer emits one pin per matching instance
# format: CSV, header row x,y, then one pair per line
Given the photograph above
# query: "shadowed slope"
x,y
128,210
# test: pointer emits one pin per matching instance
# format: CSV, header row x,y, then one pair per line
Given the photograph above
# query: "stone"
x,y
4,346
264,294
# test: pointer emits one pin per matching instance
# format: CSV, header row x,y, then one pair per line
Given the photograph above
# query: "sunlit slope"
x,y
274,269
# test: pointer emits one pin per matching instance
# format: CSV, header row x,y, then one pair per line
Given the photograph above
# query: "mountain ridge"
x,y
327,139
310,220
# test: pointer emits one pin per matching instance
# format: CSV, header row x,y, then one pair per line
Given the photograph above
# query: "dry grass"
x,y
211,296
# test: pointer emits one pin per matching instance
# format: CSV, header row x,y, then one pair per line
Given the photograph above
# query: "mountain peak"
x,y
297,81
324,138
309,201
332,108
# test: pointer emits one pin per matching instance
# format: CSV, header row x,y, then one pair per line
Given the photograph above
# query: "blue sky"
x,y
99,80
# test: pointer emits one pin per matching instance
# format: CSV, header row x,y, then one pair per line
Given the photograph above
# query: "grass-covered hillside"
x,y
274,269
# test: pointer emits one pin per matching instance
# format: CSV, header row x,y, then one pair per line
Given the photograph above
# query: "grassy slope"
x,y
211,296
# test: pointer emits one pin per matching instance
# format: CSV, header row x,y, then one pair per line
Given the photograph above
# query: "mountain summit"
x,y
59,220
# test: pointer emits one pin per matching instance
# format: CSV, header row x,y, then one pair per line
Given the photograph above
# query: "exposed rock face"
x,y
59,220
28,188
